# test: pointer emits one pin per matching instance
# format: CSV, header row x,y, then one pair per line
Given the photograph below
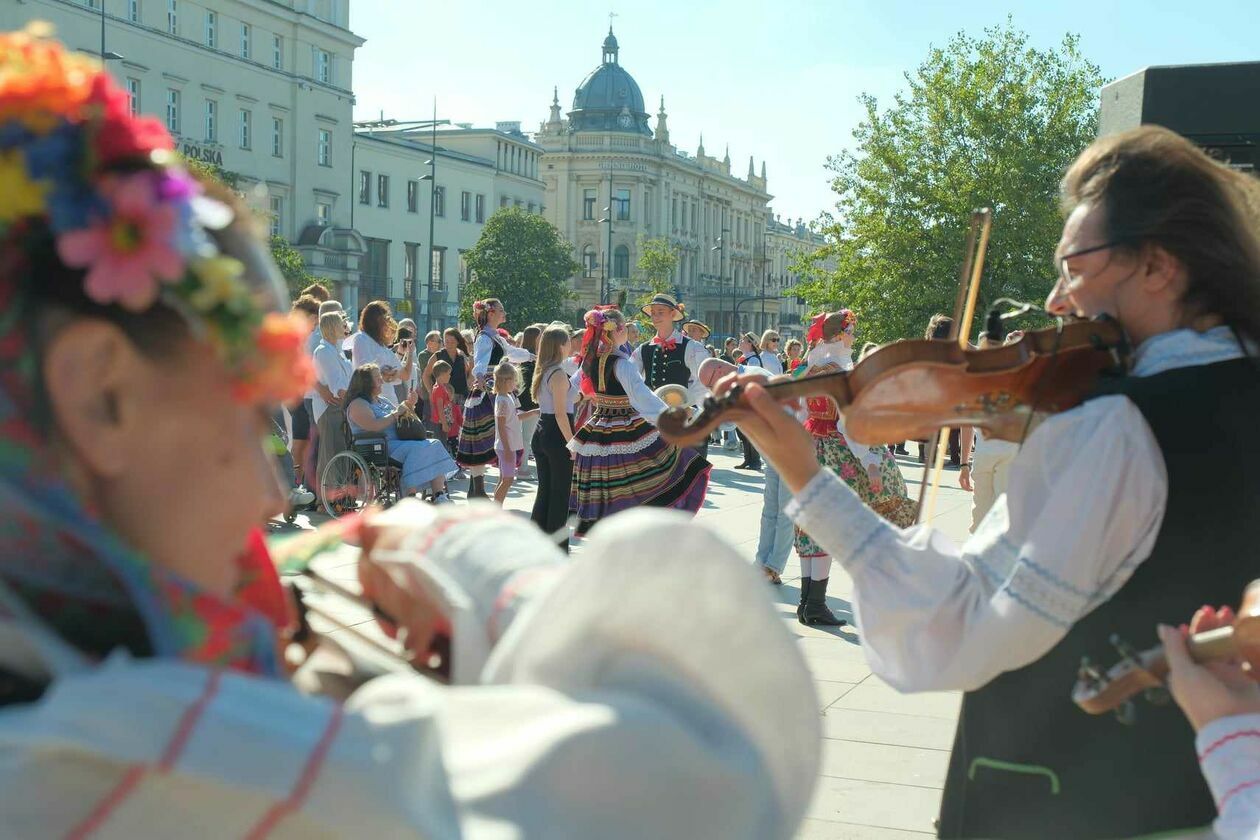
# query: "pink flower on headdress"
x,y
130,251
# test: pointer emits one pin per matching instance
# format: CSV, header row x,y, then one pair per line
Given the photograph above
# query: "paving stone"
x,y
888,728
876,696
884,763
827,830
876,804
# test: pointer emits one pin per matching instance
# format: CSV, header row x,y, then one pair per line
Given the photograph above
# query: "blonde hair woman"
x,y
556,396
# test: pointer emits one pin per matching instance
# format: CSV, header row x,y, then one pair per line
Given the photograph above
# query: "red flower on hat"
x,y
119,135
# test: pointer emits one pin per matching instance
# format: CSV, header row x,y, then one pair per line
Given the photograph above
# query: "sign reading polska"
x,y
205,154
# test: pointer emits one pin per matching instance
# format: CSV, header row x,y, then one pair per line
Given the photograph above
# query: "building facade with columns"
x,y
477,172
260,88
612,181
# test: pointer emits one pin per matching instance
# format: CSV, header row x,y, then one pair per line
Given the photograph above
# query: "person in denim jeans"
x,y
775,540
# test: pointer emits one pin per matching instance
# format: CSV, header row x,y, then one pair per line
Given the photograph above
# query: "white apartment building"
x,y
785,242
261,88
476,172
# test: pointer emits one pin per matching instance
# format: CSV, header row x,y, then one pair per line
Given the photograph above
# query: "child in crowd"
x,y
509,440
446,412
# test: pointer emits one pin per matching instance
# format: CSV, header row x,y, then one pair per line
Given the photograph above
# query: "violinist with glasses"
x,y
1118,513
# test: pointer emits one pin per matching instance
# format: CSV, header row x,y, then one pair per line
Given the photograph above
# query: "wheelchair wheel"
x,y
348,484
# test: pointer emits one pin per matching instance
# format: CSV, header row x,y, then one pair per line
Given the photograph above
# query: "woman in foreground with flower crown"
x,y
620,459
140,689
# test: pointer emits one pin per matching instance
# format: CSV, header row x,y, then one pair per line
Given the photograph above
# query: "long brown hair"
x,y
1157,188
549,354
459,339
361,383
377,321
529,338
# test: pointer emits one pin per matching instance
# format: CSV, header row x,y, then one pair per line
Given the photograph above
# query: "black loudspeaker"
x,y
1216,106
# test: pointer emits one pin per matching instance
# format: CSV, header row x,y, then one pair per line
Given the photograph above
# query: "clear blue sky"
x,y
775,80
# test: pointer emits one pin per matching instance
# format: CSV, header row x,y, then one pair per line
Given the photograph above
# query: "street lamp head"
x,y
111,56
425,177
606,220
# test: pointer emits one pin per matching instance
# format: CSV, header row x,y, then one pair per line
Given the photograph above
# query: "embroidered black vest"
x,y
666,367
1027,763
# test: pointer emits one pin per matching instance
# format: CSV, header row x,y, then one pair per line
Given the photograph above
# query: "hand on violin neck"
x,y
1213,690
776,433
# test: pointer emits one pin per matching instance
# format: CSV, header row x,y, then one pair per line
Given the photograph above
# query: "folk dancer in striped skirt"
x,y
476,438
620,459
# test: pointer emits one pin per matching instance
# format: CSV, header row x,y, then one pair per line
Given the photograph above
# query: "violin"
x,y
908,390
1097,692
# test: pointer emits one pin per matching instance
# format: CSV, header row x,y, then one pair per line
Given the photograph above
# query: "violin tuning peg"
x,y
1127,651
1089,674
1157,695
1126,713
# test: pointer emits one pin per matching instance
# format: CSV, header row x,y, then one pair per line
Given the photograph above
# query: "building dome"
x,y
609,98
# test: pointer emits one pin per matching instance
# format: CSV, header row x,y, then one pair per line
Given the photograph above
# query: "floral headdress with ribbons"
x,y
105,185
599,330
85,183
848,323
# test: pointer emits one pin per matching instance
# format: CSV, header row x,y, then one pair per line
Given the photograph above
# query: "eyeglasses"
x,y
1063,260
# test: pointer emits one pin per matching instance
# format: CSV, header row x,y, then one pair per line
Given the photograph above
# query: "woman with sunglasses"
x,y
1117,512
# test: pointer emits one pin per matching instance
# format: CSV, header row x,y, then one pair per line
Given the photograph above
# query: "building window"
x,y
212,120
247,129
531,208
439,202
323,213
212,25
277,52
277,214
375,281
133,96
621,206
621,262
503,201
365,187
411,255
436,283
277,137
323,66
325,147
413,196
133,11
172,111
245,39
382,190
465,206
465,273
480,208
588,262
172,17
517,203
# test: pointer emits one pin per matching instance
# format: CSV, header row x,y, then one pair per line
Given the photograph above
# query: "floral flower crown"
x,y
848,322
107,187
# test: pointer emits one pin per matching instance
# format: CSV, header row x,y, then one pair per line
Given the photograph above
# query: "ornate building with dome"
x,y
612,180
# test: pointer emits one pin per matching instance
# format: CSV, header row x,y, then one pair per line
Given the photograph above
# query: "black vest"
x,y
459,375
1027,763
666,367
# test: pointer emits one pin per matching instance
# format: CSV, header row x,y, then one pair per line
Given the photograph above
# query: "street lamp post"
x,y
720,247
605,284
106,56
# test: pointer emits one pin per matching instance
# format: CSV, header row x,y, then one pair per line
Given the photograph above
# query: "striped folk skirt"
x,y
622,462
476,436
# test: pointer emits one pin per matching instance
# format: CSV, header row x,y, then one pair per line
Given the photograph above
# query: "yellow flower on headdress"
x,y
19,195
221,285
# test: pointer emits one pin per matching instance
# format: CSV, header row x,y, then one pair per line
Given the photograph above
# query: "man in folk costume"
x,y
1118,514
671,358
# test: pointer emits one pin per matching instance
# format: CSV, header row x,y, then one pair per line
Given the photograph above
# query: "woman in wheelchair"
x,y
425,463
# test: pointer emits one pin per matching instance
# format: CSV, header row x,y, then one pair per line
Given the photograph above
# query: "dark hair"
x,y
307,305
459,339
316,290
938,327
375,320
482,317
361,382
529,338
1157,188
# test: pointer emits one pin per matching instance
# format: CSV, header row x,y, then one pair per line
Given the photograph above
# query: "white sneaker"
x,y
300,497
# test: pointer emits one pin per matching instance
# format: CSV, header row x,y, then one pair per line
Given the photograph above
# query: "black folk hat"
x,y
662,299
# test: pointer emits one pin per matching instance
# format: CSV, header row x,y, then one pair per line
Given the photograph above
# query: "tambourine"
x,y
674,396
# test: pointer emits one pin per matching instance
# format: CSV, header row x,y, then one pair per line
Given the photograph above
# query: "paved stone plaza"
x,y
885,753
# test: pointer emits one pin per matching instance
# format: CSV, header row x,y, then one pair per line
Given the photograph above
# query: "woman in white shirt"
x,y
770,352
370,346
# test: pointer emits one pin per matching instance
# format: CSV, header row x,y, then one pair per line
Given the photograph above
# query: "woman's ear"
x,y
93,376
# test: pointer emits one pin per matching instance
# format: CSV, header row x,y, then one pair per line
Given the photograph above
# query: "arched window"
x,y
588,261
621,261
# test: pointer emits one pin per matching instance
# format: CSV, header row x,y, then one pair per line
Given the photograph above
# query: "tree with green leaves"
x,y
985,122
522,260
658,259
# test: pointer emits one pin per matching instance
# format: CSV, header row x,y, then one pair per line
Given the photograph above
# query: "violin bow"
x,y
964,314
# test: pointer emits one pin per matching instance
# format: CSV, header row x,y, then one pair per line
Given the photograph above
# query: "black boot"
x,y
800,608
477,487
815,611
